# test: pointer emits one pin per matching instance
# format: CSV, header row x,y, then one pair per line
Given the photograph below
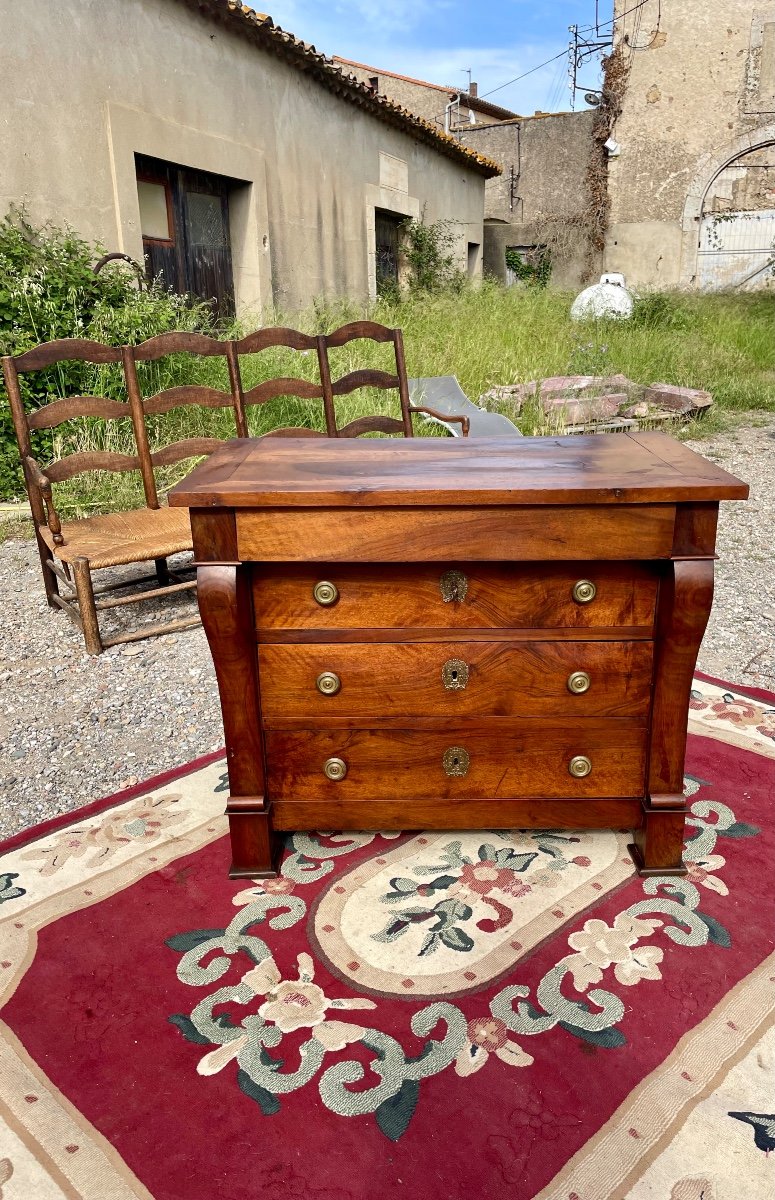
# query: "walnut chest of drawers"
x,y
455,633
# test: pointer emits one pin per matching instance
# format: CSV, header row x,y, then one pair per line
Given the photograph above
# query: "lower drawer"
x,y
486,760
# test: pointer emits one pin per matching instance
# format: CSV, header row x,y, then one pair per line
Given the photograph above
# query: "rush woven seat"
x,y
116,539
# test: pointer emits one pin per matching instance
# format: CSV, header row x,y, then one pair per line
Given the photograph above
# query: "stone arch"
x,y
709,168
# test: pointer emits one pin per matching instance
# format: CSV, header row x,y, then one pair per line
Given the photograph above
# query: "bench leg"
x,y
50,581
88,612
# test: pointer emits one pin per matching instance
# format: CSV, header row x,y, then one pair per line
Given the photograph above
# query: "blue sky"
x,y
437,39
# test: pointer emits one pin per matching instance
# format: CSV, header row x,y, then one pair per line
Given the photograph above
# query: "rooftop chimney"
x,y
474,89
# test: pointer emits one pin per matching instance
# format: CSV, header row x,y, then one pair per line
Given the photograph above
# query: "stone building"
x,y
444,107
241,162
691,184
539,203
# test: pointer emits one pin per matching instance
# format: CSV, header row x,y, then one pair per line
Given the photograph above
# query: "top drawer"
x,y
487,596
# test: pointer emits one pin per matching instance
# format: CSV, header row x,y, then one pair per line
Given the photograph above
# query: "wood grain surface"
x,y
482,813
602,469
528,757
503,680
524,595
475,534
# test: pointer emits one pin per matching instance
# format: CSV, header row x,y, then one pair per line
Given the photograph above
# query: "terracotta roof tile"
x,y
262,31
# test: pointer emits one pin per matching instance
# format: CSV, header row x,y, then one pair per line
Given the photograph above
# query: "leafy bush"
x,y
534,268
47,291
429,255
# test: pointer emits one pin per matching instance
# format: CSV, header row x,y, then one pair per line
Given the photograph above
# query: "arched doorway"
x,y
729,217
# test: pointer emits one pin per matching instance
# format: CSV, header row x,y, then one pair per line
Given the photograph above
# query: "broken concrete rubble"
x,y
588,403
679,399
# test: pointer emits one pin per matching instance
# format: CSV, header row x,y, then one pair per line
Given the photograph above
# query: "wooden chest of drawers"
x,y
453,634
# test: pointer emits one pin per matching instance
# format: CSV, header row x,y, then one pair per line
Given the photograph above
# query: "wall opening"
x,y
184,219
388,238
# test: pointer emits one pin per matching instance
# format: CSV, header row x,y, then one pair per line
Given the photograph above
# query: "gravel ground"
x,y
74,728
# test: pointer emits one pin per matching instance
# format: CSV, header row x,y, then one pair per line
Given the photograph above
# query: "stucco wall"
x,y
89,83
544,183
700,91
420,98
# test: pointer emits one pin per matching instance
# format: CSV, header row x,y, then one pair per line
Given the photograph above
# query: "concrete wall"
x,y
542,193
89,83
700,92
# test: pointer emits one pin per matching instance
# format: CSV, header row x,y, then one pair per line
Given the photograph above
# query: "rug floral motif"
x,y
492,1013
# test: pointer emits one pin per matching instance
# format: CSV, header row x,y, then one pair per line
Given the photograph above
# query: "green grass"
x,y
486,336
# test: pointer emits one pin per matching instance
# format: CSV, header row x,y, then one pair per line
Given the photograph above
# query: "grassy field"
x,y
486,336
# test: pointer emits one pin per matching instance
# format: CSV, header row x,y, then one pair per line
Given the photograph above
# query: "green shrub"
x,y
48,291
429,255
534,270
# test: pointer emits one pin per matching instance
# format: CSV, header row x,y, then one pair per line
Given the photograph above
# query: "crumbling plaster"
x,y
696,98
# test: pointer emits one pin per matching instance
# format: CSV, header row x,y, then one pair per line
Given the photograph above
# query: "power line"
x,y
532,70
562,53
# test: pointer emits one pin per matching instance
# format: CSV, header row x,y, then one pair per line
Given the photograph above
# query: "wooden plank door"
x,y
388,229
184,218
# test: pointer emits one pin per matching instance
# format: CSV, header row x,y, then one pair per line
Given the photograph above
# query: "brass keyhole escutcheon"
x,y
453,585
584,591
579,766
335,769
454,674
455,761
326,593
328,683
579,682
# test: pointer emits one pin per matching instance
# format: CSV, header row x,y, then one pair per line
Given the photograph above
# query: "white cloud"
x,y
390,34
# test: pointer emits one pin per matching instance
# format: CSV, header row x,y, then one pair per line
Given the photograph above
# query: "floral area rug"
x,y
455,1016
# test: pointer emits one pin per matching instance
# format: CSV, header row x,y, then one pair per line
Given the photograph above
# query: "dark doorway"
x,y
388,230
184,219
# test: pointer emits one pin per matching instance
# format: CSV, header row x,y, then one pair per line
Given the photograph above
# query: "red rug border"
x,y
106,802
139,789
752,693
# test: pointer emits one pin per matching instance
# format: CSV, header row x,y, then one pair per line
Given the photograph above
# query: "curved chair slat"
x,y
79,349
91,460
190,448
358,379
360,329
70,407
303,389
279,335
294,431
178,342
205,397
371,425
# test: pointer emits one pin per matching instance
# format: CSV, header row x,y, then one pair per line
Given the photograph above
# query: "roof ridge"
x,y
303,54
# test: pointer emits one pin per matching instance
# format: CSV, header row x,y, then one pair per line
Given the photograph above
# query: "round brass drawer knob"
x,y
584,591
328,683
579,766
578,682
326,593
335,769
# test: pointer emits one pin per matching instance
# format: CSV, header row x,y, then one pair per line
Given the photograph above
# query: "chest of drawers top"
x,y
601,469
640,496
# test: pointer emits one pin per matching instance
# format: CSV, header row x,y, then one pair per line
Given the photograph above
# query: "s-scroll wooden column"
x,y
227,616
685,598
